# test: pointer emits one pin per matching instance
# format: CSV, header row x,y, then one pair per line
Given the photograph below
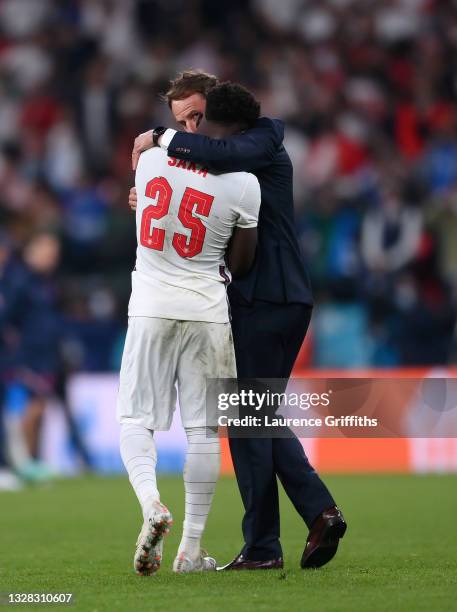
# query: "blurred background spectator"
x,y
368,91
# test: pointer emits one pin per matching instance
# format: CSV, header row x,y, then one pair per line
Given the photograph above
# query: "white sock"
x,y
138,452
201,472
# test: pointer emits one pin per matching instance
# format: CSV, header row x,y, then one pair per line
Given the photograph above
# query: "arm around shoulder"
x,y
250,151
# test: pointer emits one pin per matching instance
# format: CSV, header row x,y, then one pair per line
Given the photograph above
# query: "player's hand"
x,y
143,142
133,198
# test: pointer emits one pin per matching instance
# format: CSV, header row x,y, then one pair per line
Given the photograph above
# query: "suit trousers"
x,y
267,337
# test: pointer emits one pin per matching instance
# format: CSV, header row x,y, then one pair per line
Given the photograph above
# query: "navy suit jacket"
x,y
278,274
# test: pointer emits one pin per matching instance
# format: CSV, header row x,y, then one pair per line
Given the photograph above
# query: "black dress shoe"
x,y
323,538
240,563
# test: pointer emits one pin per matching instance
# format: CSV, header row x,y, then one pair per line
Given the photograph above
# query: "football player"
x,y
194,230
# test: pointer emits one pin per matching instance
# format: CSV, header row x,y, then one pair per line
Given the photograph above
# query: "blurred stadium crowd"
x,y
368,91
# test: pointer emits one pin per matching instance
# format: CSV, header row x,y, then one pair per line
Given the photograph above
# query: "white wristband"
x,y
166,138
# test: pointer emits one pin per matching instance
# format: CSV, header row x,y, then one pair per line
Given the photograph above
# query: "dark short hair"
x,y
229,103
190,82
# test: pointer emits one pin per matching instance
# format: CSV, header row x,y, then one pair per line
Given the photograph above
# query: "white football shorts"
x,y
162,354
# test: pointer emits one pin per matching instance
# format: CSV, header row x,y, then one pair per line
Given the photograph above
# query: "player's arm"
x,y
241,251
242,247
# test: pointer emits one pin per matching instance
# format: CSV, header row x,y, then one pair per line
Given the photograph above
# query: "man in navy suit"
x,y
271,310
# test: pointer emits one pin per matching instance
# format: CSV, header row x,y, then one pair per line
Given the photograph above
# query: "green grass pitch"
x,y
78,536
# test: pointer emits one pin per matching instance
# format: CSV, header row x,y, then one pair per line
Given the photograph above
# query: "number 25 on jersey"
x,y
154,237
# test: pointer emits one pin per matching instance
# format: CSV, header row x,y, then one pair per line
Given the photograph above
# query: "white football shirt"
x,y
185,217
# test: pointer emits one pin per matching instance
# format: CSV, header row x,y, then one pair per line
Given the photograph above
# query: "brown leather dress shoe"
x,y
240,563
323,538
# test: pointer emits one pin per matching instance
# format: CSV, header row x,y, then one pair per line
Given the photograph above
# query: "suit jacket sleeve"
x,y
250,151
